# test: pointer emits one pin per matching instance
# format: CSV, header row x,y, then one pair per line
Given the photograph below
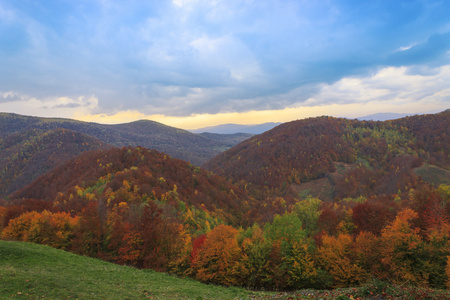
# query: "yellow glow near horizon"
x,y
204,120
257,117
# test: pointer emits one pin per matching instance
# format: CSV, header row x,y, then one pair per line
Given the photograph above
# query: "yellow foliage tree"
x,y
367,252
401,246
336,257
301,268
180,264
256,251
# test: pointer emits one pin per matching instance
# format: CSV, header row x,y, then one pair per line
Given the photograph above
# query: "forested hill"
x,y
176,142
351,158
131,205
31,146
137,176
26,154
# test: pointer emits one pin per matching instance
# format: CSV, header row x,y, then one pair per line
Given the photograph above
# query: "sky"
x,y
196,63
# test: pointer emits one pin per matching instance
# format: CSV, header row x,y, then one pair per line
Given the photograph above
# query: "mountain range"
x,y
335,157
291,153
31,146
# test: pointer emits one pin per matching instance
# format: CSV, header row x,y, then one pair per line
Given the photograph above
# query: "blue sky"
x,y
194,63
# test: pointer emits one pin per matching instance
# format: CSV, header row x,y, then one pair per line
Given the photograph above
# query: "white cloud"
x,y
391,84
228,53
404,48
66,107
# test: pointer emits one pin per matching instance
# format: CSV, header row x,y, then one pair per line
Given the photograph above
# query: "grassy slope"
x,y
31,271
433,174
34,271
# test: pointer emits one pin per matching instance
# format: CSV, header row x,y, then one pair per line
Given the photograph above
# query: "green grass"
x,y
31,271
433,174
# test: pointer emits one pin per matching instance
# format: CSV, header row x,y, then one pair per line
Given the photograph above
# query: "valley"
x,y
318,203
32,146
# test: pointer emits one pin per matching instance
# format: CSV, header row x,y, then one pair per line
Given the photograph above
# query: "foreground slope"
x,y
34,271
39,272
352,157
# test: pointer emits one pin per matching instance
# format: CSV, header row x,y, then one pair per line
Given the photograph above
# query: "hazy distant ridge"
x,y
237,128
383,116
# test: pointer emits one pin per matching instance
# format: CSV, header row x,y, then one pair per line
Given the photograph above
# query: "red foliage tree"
x,y
371,217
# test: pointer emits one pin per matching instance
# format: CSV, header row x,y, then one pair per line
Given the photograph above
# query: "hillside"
x,y
147,173
228,140
176,142
31,146
39,272
145,193
379,156
142,208
26,154
34,271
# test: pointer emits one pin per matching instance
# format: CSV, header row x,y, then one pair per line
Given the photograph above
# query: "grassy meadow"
x,y
34,271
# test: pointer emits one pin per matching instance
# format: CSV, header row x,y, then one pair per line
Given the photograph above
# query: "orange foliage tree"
x,y
367,252
337,258
47,228
218,259
124,243
180,262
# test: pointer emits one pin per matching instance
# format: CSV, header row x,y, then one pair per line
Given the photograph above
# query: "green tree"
x,y
308,211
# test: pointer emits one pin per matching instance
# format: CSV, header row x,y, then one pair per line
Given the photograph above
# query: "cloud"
x,y
9,97
53,107
393,85
187,57
396,89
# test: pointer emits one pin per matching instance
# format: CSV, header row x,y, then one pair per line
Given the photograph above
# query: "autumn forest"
x,y
315,203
